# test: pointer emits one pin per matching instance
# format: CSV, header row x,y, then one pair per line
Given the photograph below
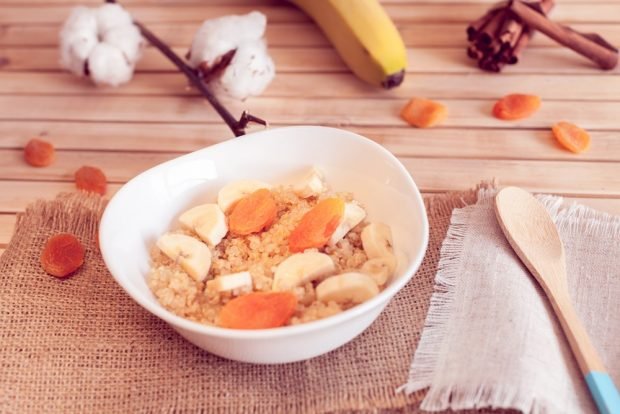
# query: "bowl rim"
x,y
178,321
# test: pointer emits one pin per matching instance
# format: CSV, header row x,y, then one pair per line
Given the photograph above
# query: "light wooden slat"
x,y
412,12
299,34
299,111
16,195
326,60
310,85
118,137
151,13
539,176
117,167
404,141
599,178
7,225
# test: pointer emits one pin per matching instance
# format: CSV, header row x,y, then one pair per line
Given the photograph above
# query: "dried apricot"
x,y
91,179
39,153
253,213
62,255
423,113
571,137
516,106
258,310
317,225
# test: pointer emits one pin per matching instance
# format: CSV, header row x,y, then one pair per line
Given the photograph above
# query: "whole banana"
x,y
364,36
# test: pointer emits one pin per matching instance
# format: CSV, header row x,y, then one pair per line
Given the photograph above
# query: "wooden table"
x,y
155,117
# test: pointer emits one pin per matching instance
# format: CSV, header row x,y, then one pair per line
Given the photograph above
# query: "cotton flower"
x,y
251,68
102,43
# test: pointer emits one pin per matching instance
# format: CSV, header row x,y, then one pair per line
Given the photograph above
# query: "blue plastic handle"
x,y
604,392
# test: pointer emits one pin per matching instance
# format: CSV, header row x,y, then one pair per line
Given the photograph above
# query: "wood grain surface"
x,y
155,117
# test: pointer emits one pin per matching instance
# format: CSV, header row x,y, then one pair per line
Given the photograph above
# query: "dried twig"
x,y
197,80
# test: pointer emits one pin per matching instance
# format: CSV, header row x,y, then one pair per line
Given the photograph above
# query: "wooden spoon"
x,y
534,237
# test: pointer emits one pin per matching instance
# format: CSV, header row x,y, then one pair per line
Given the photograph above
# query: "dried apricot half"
x,y
91,179
253,213
62,255
39,153
571,137
258,310
516,106
423,113
317,225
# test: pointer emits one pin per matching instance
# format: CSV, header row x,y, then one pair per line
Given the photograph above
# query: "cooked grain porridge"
x,y
279,269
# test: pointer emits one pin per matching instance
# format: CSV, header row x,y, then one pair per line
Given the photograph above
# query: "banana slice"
x,y
208,221
235,191
353,215
240,282
348,287
311,185
193,255
377,240
380,269
302,268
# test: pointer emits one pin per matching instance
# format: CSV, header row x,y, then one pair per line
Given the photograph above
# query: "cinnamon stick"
x,y
501,35
599,51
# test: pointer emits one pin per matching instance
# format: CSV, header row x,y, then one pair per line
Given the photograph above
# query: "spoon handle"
x,y
599,381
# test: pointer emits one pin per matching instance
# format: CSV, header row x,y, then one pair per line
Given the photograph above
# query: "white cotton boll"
x,y
78,37
219,36
104,40
126,38
81,18
249,72
111,15
108,66
75,48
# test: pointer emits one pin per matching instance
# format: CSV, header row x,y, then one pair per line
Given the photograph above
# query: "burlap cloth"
x,y
82,345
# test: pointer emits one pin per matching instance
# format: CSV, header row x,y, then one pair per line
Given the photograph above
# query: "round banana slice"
x,y
377,240
381,269
193,255
350,287
208,221
301,268
235,191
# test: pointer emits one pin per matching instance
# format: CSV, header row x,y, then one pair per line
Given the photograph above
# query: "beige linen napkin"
x,y
490,337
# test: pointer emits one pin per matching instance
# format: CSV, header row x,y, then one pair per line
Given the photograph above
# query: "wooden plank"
x,y
7,227
326,60
539,176
409,13
293,111
118,167
479,85
56,14
16,195
110,136
513,144
420,34
431,174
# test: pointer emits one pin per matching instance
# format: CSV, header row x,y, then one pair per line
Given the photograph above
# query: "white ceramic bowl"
x,y
149,204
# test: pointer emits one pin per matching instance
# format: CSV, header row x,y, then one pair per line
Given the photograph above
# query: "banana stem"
x,y
236,126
